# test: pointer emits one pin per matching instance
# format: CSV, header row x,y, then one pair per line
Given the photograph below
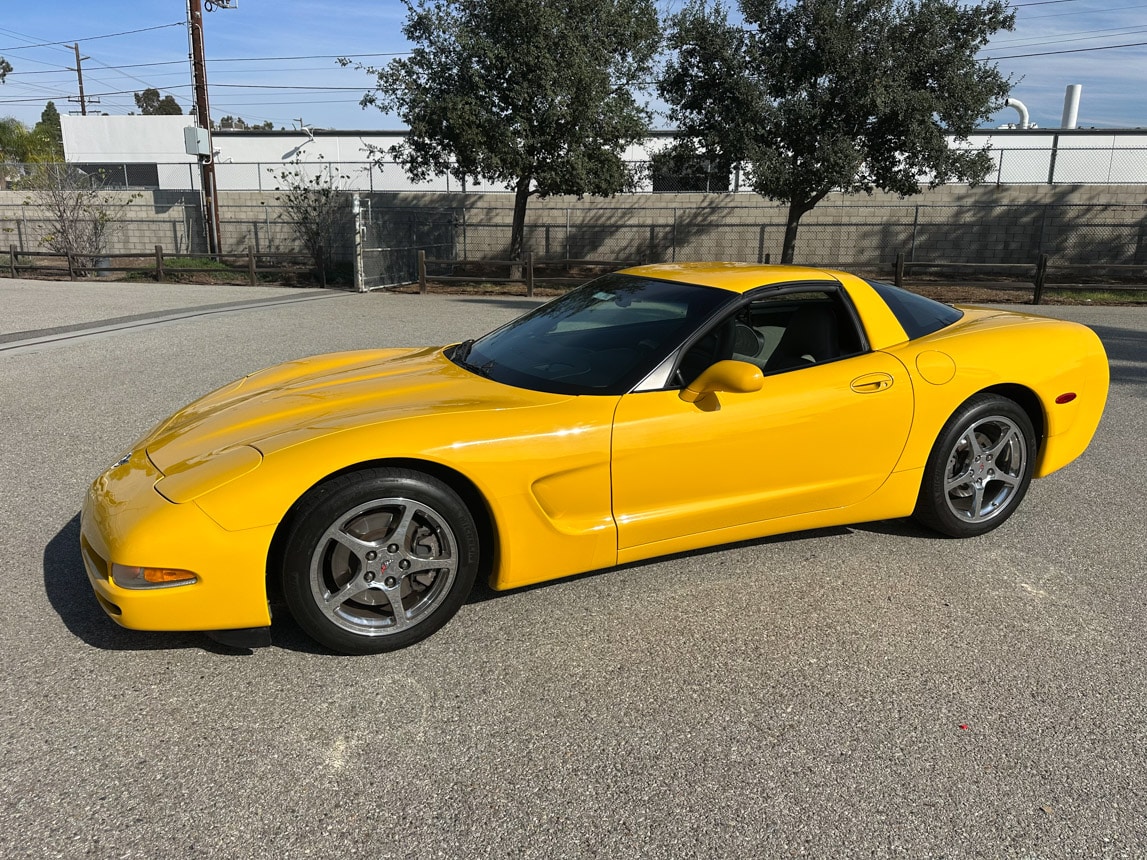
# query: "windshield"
x,y
601,338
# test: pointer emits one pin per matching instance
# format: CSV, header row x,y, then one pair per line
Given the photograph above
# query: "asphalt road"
x,y
873,691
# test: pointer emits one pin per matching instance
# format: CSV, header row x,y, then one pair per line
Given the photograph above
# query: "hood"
x,y
282,405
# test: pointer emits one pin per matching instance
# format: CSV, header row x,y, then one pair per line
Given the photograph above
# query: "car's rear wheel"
x,y
979,468
378,560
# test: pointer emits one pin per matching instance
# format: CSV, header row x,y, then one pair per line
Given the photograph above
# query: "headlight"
x,y
185,483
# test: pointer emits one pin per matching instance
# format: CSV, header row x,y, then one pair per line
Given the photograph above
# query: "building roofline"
x,y
653,133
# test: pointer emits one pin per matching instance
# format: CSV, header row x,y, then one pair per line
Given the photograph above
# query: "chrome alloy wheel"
x,y
383,566
986,469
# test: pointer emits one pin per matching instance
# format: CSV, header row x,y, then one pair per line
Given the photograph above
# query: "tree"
x,y
21,146
854,95
5,68
150,104
49,130
240,124
534,95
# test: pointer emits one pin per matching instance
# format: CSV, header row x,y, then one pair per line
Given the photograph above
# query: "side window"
x,y
778,333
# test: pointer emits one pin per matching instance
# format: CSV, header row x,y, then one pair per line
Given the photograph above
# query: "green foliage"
x,y
21,146
533,95
49,130
240,124
314,202
823,94
150,104
197,263
5,68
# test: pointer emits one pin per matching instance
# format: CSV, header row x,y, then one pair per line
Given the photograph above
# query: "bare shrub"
x,y
314,201
81,216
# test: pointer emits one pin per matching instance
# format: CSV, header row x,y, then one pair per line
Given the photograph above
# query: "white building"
x,y
149,152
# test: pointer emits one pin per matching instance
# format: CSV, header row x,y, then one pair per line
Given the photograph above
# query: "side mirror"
x,y
738,377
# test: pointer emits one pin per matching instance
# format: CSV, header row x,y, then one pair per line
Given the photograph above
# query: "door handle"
x,y
871,383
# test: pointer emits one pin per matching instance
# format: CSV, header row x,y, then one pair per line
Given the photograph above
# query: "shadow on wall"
x,y
985,227
1071,233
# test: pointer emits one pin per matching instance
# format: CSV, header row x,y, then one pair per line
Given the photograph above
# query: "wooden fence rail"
x,y
1037,271
253,264
526,266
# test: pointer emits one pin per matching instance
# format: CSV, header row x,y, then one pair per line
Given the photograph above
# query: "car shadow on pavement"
x,y
70,594
904,528
503,302
483,592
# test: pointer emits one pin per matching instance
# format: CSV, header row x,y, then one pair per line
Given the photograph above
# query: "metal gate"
x,y
388,239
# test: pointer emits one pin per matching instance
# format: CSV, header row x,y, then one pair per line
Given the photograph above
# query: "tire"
x,y
979,469
378,560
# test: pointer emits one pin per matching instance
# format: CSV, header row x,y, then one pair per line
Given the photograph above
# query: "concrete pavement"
x,y
872,691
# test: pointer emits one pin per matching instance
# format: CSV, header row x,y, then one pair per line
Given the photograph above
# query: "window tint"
x,y
778,332
601,338
918,315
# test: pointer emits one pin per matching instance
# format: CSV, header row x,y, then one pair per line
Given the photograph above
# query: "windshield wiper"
x,y
462,352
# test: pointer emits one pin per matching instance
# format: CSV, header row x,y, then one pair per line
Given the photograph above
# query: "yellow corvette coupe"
x,y
654,410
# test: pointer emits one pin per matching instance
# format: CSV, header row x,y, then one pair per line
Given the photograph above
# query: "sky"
x,y
276,59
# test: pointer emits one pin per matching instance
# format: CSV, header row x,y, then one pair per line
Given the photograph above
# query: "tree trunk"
x,y
517,232
789,247
797,209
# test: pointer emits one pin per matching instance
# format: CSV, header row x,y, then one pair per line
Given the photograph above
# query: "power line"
x,y
291,87
1083,36
305,57
1068,51
229,60
1027,19
93,38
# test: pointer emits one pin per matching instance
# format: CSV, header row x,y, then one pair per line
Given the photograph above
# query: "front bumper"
x,y
126,521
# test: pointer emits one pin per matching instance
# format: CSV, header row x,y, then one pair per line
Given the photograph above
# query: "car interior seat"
x,y
811,336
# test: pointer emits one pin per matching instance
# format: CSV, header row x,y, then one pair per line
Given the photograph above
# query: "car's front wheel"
x,y
379,559
979,468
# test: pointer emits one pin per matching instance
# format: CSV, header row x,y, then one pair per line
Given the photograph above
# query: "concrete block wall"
x,y
259,219
142,221
956,223
1084,223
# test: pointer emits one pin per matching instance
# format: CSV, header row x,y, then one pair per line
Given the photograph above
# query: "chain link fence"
x,y
848,232
1067,160
850,235
175,222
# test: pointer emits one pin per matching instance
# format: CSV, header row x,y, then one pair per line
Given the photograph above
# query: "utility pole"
x,y
203,118
79,70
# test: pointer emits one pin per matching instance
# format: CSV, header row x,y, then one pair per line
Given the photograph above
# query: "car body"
x,y
658,409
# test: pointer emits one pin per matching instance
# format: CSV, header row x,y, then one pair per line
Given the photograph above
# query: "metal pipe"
x,y
1071,106
1020,108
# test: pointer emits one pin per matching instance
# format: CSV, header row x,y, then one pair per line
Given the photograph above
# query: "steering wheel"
x,y
747,340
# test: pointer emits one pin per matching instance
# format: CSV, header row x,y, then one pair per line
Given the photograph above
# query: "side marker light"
x,y
1065,398
150,577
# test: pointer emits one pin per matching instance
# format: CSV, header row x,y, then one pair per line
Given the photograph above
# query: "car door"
x,y
824,431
